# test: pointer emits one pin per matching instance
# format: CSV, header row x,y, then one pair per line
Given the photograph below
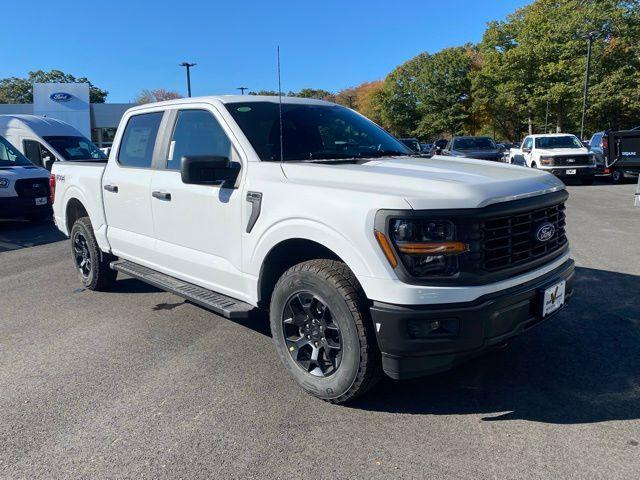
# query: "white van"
x,y
46,140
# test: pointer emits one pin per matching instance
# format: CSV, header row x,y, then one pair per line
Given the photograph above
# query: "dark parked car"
x,y
481,148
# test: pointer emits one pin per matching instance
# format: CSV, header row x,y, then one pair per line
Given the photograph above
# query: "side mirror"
x,y
209,170
526,150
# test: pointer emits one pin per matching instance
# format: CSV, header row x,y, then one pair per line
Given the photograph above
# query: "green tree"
x,y
20,90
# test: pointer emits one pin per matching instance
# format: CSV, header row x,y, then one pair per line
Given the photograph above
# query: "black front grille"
x,y
572,161
32,187
510,240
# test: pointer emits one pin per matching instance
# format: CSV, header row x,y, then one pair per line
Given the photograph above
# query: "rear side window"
x,y
197,133
138,140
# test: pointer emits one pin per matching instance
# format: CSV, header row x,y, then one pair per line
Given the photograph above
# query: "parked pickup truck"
x,y
368,259
562,154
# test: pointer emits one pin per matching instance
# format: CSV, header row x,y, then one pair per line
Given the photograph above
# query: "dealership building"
x,y
69,102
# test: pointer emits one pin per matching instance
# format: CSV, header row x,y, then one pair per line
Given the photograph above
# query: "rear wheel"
x,y
533,165
322,332
617,176
92,264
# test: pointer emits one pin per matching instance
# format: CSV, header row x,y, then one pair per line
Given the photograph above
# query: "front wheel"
x,y
322,331
92,264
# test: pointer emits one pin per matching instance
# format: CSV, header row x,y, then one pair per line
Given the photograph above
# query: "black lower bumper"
x,y
12,207
424,339
581,172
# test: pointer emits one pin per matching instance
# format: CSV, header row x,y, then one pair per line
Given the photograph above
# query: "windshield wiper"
x,y
389,153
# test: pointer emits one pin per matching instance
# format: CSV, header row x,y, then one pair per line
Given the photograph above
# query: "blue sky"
x,y
125,46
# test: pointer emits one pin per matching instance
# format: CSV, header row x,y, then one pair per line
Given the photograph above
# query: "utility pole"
x,y
242,89
546,117
350,98
590,37
188,66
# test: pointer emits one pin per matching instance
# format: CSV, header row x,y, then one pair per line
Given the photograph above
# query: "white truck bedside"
x,y
369,259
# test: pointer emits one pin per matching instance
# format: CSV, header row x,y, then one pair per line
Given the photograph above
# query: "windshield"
x,y
10,156
312,132
564,141
474,143
75,148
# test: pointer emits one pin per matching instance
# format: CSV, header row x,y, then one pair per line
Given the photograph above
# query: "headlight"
x,y
425,247
4,182
546,160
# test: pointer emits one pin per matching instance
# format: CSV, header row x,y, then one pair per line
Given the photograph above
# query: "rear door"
x,y
127,190
198,227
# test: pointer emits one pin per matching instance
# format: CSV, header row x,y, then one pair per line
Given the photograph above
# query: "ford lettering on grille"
x,y
545,232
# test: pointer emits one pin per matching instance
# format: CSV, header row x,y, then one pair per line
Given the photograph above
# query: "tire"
x,y
340,304
96,274
617,177
587,180
533,165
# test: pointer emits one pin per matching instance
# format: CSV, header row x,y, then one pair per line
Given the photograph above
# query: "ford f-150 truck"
x,y
562,154
368,259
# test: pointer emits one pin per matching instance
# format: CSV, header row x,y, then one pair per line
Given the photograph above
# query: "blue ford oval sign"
x,y
60,97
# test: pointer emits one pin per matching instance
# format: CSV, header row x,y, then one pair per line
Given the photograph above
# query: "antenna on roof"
x,y
280,109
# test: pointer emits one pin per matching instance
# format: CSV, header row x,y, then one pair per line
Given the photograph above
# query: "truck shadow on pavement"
x,y
582,366
17,234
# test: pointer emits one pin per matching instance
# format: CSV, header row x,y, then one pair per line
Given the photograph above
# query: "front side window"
x,y
10,156
563,141
75,148
311,132
527,142
139,139
197,133
38,153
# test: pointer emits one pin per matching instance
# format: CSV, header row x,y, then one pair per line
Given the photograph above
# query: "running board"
x,y
216,302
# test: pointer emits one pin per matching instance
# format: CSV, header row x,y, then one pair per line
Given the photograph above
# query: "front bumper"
x,y
12,207
580,171
467,329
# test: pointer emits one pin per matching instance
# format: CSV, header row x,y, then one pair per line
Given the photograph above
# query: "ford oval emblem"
x,y
545,232
60,97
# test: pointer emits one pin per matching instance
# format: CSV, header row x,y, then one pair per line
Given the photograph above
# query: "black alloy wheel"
x,y
312,337
82,255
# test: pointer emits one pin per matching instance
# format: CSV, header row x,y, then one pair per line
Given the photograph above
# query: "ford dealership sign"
x,y
60,97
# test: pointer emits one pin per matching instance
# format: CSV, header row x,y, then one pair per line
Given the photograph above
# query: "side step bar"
x,y
216,302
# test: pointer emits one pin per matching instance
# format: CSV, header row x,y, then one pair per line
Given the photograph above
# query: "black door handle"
x,y
161,195
111,188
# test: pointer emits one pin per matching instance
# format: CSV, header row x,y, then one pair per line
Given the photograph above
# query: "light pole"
x,y
590,37
188,66
242,89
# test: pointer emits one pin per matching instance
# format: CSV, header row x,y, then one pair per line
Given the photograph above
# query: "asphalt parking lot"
x,y
136,383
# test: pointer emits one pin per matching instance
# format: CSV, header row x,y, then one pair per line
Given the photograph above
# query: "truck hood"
x,y
425,183
554,152
478,154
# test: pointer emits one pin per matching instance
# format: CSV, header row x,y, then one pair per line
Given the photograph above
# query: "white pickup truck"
x,y
558,153
369,259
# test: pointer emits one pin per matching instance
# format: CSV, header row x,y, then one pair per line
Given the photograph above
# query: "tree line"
x,y
526,75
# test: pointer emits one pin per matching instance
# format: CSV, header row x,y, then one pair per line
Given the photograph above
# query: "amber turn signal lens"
x,y
386,248
433,248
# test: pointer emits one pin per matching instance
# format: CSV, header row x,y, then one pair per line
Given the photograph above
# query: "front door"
x,y
127,192
197,227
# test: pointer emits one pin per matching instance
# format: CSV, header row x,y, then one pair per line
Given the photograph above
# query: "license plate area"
x,y
41,200
553,298
571,171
